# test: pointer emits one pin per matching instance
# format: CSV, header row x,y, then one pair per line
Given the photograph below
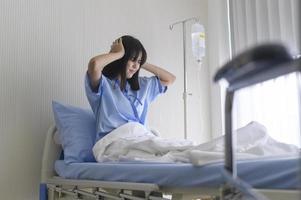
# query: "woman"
x,y
114,89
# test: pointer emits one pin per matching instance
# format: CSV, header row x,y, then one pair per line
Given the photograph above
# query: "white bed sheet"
x,y
133,142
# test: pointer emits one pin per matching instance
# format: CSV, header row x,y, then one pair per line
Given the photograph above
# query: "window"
x,y
275,103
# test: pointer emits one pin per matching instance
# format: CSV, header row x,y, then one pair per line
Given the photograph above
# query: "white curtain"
x,y
274,103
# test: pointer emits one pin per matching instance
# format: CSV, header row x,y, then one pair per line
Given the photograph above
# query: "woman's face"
x,y
133,66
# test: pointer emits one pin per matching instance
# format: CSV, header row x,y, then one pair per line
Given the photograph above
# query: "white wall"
x,y
45,47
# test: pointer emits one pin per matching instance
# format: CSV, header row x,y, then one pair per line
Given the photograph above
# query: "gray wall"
x,y
45,47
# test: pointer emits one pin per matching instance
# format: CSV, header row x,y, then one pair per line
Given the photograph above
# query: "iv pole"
x,y
183,22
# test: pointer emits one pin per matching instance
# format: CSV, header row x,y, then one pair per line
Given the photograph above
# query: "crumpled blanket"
x,y
133,142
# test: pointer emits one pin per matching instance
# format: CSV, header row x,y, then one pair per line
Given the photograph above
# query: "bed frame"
x,y
53,186
256,65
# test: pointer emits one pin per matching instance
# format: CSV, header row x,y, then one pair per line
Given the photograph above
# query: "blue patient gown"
x,y
113,107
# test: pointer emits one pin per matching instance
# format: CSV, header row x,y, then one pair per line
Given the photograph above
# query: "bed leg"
x,y
51,193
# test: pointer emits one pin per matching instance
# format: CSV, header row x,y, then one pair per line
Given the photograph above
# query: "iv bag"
x,y
198,41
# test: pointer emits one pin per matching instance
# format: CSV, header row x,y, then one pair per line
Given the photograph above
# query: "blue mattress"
x,y
272,173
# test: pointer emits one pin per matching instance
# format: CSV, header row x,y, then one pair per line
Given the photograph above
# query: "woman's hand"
x,y
117,47
97,63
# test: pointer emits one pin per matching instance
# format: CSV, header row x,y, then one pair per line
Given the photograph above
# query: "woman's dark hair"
x,y
132,48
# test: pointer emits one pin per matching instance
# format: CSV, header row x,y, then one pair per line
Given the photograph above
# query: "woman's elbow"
x,y
172,79
94,70
93,65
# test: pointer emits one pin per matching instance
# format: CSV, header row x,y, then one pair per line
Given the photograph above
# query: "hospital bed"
x,y
275,177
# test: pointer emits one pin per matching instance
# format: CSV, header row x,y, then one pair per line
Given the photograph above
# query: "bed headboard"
x,y
51,153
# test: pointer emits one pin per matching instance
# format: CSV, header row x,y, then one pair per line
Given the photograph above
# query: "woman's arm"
x,y
97,63
166,78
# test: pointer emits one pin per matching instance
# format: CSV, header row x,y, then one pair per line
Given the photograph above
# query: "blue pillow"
x,y
77,131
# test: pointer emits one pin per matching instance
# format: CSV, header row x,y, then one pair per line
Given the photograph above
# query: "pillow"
x,y
77,131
